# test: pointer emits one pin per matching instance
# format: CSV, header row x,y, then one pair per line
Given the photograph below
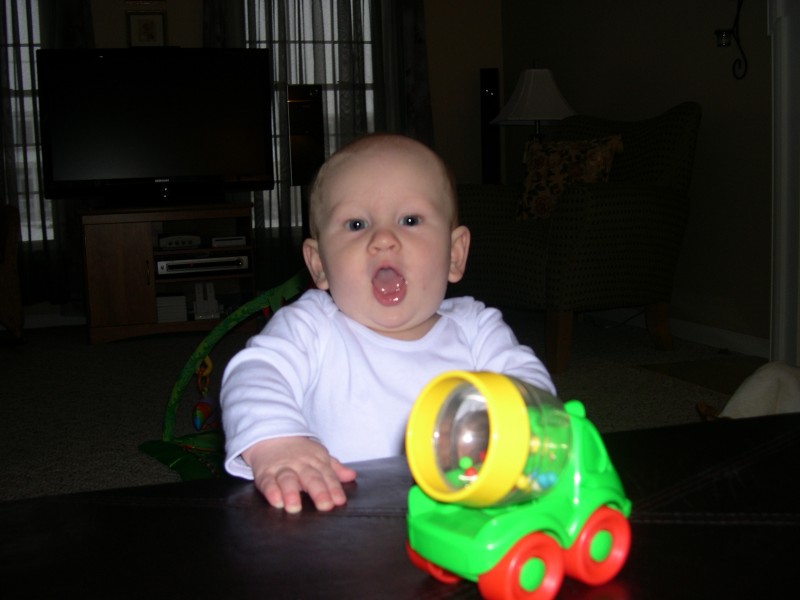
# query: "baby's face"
x,y
386,247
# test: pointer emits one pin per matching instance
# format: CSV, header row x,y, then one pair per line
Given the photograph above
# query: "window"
x,y
327,43
21,20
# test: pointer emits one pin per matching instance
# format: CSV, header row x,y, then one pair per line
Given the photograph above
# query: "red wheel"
x,y
601,547
532,570
431,569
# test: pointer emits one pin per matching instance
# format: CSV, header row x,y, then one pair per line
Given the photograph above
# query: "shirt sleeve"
x,y
496,348
262,391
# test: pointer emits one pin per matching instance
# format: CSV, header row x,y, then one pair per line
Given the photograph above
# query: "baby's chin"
x,y
402,319
412,330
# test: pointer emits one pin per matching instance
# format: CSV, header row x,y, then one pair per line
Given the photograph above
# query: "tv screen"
x,y
155,124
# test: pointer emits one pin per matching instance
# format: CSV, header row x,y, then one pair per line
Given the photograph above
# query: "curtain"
x,y
322,43
50,248
405,62
367,56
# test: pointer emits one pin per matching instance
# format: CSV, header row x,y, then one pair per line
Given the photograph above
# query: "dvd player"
x,y
202,265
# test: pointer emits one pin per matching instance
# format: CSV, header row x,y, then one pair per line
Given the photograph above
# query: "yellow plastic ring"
x,y
508,421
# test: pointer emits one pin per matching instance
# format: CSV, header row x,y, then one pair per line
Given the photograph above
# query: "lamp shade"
x,y
536,98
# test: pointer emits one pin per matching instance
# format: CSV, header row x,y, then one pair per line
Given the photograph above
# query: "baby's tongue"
x,y
387,282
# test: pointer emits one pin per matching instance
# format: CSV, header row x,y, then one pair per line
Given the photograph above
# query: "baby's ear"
x,y
314,263
459,249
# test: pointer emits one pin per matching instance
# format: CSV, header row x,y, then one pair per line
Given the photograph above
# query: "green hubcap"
x,y
531,574
601,546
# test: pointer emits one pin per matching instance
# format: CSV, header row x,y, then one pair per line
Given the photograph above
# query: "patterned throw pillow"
x,y
552,166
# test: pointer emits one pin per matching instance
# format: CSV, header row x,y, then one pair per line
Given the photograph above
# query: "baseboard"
x,y
694,332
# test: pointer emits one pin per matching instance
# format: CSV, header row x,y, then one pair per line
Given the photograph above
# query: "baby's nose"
x,y
384,239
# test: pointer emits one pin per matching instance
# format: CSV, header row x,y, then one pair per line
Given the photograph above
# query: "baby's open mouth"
x,y
389,286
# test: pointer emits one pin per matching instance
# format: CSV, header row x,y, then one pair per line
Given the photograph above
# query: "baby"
x,y
333,376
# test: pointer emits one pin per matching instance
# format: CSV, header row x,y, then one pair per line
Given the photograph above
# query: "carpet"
x,y
723,373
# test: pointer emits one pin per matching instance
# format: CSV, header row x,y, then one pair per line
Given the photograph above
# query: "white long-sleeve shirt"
x,y
315,372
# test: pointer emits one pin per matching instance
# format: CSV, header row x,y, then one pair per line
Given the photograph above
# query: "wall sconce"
x,y
724,37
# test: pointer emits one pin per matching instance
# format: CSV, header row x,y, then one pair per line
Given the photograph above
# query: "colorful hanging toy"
x,y
205,414
200,455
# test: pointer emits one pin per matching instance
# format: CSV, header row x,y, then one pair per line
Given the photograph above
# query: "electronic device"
x,y
202,265
205,301
176,242
155,125
226,242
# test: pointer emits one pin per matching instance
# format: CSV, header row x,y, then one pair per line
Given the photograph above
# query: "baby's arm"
x,y
496,349
285,467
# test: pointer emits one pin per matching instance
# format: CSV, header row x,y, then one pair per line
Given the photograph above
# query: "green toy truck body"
x,y
508,549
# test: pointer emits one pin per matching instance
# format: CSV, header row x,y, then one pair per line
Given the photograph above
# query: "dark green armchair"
x,y
607,244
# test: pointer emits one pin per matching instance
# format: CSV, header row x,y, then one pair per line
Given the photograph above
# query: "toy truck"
x,y
514,489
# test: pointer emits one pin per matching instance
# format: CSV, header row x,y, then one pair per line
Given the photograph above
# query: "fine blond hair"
x,y
369,141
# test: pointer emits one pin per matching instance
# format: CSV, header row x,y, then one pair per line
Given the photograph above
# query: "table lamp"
x,y
536,98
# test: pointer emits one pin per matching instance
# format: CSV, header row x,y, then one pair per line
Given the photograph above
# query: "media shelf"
x,y
135,287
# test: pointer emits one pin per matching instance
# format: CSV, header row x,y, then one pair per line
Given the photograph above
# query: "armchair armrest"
x,y
614,244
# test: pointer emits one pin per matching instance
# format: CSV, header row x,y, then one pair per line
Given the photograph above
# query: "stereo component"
x,y
178,242
202,265
226,242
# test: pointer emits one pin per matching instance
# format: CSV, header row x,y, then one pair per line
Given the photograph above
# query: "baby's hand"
x,y
284,467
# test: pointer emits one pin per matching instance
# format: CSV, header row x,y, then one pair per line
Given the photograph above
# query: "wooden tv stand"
x,y
122,252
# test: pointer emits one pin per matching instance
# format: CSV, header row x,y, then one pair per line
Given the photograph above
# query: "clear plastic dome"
x,y
464,438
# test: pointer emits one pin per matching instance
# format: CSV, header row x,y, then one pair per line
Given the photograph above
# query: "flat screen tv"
x,y
155,125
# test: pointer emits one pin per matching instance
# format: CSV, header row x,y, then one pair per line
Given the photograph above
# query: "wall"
x,y
463,37
631,59
184,21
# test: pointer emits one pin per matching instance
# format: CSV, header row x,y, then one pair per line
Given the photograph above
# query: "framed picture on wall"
x,y
147,28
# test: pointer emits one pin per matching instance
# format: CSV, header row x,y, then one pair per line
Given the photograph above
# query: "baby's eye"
x,y
411,220
356,224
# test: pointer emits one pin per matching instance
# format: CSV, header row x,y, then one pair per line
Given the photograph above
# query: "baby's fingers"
x,y
284,468
323,488
283,490
342,473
